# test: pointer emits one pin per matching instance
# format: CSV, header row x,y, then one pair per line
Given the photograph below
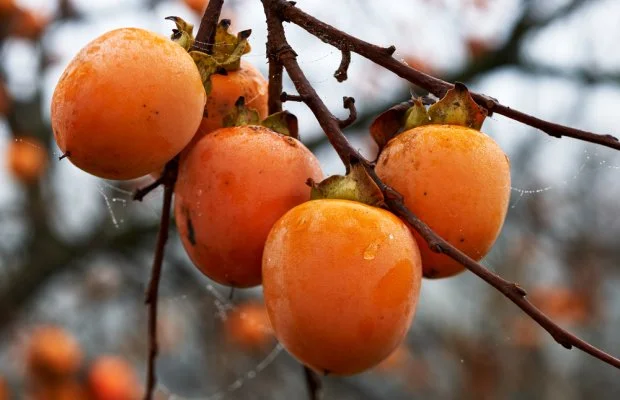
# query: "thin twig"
x,y
290,97
313,383
349,104
436,86
329,124
168,179
142,192
275,70
341,72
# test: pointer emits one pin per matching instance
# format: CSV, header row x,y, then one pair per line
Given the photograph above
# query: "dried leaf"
x,y
241,115
388,124
283,122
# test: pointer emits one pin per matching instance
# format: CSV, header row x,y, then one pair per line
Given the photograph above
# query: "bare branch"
x,y
313,383
436,86
290,97
349,104
208,25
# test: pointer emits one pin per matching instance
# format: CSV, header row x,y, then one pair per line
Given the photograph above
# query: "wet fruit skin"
x,y
232,187
127,103
457,180
341,281
226,90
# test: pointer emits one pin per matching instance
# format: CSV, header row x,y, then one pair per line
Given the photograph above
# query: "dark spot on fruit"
x,y
462,240
425,193
290,141
157,112
143,105
191,235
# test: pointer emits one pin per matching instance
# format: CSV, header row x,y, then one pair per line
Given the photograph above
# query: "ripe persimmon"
x,y
248,326
198,6
28,24
127,103
457,180
26,159
4,390
52,352
233,184
341,282
113,378
248,82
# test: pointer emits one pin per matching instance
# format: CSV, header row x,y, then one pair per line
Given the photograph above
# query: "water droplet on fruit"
x,y
391,237
371,251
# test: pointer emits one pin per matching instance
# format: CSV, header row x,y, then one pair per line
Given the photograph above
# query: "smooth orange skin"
x,y
127,103
26,159
341,281
232,187
456,180
226,90
52,352
248,326
112,378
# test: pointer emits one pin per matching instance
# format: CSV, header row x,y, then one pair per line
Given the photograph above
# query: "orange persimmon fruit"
x,y
455,179
52,352
198,6
248,326
248,82
113,378
233,184
341,282
26,159
127,103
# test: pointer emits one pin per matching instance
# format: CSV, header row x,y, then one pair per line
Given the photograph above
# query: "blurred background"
x,y
75,251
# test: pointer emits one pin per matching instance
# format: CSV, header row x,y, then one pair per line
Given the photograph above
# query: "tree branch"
x,y
208,25
382,56
394,200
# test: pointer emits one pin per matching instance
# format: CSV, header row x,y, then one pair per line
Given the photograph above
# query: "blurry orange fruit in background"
x,y
52,352
113,378
26,159
248,326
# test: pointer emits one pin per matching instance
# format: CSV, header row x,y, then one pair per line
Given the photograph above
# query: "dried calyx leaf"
x,y
457,107
241,115
389,123
183,34
282,122
357,185
227,49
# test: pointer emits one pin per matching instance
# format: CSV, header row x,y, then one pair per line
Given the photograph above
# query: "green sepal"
x,y
357,185
282,122
207,66
416,115
229,48
241,115
457,107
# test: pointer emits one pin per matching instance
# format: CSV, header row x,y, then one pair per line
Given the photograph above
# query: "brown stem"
x,y
168,180
394,200
341,72
208,24
383,56
349,104
275,69
313,383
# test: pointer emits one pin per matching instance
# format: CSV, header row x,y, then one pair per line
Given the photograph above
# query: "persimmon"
x,y
62,390
7,7
52,352
232,187
198,6
113,378
26,159
455,179
127,103
248,82
28,24
4,390
341,282
248,326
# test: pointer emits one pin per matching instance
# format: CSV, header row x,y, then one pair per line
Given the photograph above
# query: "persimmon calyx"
x,y
283,122
356,185
227,49
457,107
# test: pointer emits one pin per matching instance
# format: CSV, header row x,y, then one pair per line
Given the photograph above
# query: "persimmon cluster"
x,y
341,274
